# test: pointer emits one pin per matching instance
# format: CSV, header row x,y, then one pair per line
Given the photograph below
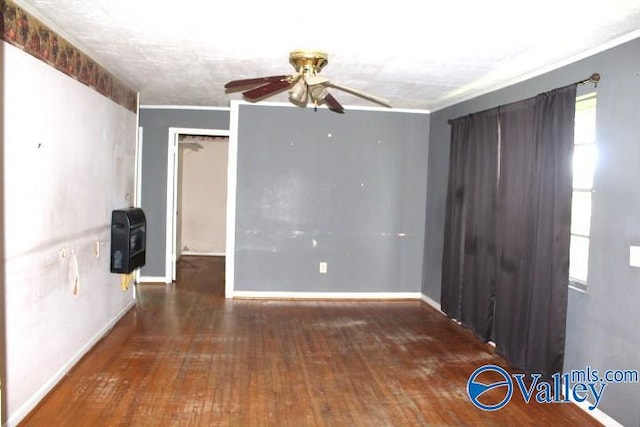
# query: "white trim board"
x,y
598,414
431,303
183,107
200,131
232,186
172,184
324,107
138,179
198,253
151,279
33,401
328,295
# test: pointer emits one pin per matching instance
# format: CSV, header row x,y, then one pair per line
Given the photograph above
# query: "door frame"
x,y
137,195
172,192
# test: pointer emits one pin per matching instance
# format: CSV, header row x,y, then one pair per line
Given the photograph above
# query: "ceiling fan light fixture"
x,y
298,93
318,92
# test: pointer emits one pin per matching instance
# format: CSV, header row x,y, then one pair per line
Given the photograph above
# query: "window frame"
x,y
590,96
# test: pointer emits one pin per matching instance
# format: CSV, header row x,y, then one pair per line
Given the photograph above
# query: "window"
x,y
584,164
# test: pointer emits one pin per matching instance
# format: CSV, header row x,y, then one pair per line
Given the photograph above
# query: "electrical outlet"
x,y
323,268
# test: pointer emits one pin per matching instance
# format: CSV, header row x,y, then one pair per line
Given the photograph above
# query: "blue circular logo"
x,y
475,388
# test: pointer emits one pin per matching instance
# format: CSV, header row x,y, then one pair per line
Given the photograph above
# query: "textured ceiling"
x,y
416,54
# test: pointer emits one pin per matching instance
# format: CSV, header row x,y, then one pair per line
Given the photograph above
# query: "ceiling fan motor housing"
x,y
308,61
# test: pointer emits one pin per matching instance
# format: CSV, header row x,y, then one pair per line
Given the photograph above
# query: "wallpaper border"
x,y
29,34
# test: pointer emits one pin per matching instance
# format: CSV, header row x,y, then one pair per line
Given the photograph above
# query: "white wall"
x,y
68,161
203,213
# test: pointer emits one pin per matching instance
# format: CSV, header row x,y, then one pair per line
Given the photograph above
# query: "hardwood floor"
x,y
185,356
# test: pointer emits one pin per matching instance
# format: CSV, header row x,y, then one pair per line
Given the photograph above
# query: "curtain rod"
x,y
593,78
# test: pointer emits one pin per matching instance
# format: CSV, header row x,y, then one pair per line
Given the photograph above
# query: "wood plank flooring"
x,y
185,356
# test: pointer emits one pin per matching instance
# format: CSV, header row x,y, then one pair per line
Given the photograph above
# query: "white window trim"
x,y
574,283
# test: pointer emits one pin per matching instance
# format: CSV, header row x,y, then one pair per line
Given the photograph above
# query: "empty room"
x,y
245,214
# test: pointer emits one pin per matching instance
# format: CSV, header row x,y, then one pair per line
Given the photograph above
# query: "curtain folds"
x,y
535,215
451,290
506,253
469,265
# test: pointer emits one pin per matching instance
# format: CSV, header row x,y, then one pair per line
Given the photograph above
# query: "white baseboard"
x,y
327,295
598,414
152,279
431,302
198,253
32,402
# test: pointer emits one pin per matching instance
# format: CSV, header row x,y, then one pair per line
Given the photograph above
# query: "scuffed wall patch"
x,y
29,34
70,260
74,274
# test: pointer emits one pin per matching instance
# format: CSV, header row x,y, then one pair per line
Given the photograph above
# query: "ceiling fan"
x,y
305,84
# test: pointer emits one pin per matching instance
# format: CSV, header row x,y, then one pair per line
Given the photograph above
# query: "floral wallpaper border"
x,y
29,34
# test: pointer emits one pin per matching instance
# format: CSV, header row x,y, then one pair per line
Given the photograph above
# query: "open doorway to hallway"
x,y
194,140
202,195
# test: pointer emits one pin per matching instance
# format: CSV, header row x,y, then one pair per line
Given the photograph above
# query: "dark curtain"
x,y
479,268
451,289
534,213
469,262
505,268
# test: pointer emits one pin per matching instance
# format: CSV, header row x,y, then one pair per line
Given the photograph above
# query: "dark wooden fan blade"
x,y
253,82
266,90
333,104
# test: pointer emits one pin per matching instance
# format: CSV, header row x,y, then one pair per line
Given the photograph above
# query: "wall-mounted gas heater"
x,y
128,240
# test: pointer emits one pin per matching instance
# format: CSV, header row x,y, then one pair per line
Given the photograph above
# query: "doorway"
x,y
190,150
202,195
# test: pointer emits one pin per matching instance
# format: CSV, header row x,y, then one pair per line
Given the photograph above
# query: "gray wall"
x,y
347,189
156,123
603,325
